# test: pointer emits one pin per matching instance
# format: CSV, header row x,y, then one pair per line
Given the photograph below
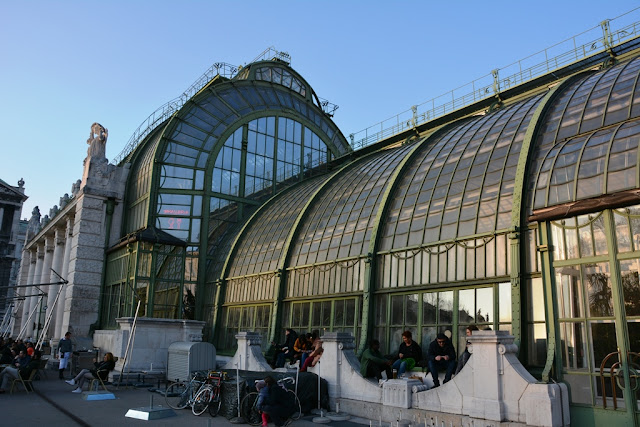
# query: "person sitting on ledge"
x,y
409,354
465,355
373,363
101,370
442,355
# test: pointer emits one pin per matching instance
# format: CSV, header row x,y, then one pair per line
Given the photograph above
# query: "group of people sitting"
x,y
305,349
20,358
441,356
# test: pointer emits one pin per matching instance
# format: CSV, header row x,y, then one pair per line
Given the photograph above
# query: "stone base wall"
x,y
493,389
150,343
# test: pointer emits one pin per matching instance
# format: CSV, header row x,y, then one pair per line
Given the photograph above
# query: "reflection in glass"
x,y
412,310
466,306
623,237
445,305
429,305
569,292
397,310
603,335
484,305
599,295
504,302
537,344
599,237
574,349
629,272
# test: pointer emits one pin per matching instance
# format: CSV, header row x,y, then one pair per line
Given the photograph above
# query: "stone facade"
x,y
12,235
65,253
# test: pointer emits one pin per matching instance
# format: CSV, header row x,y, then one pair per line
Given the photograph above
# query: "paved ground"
x,y
54,404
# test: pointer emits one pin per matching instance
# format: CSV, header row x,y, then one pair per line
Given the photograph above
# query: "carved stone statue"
x,y
97,142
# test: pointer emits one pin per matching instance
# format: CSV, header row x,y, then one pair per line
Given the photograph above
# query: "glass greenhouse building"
x,y
249,209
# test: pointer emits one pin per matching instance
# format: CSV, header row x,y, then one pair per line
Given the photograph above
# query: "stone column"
x,y
23,277
33,291
56,265
44,281
85,265
26,306
59,331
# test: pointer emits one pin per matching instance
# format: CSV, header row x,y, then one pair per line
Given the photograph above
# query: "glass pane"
x,y
623,236
599,297
574,349
412,310
381,310
537,344
569,292
631,286
397,310
429,304
338,313
603,335
599,237
504,301
445,303
466,306
536,300
580,386
484,305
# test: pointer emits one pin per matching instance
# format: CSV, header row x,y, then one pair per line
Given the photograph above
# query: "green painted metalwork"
x,y
551,314
276,314
373,251
370,269
518,208
621,326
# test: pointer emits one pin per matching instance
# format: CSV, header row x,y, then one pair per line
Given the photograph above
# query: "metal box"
x,y
187,357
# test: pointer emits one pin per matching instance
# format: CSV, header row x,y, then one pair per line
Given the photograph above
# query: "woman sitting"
x,y
101,371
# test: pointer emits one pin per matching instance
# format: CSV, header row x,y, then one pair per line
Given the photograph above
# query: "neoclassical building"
x,y
12,236
246,208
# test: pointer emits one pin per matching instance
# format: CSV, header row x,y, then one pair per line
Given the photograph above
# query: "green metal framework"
x,y
520,217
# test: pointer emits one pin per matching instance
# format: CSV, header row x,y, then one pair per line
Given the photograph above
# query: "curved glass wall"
x,y
588,103
139,185
595,164
333,239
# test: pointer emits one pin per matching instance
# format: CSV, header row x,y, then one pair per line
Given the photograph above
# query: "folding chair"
x,y
96,381
24,382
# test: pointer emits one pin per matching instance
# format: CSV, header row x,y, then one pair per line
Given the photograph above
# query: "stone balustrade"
x,y
492,389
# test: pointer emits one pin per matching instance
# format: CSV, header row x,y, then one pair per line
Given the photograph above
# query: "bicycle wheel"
x,y
249,410
177,395
202,399
297,407
216,401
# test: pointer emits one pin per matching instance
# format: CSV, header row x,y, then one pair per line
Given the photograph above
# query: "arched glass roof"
x,y
584,149
461,182
262,243
340,221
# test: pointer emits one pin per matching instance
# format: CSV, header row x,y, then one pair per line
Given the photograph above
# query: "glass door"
x,y
598,310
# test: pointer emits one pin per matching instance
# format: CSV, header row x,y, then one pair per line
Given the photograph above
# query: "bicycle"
x,y
209,395
181,394
249,405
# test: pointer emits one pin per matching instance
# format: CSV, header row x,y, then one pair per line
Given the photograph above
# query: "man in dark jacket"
x,y
373,362
442,355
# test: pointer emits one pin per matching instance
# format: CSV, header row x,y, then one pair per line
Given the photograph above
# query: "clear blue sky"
x,y
67,64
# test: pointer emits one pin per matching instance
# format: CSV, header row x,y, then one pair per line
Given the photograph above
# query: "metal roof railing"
x,y
166,110
591,42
